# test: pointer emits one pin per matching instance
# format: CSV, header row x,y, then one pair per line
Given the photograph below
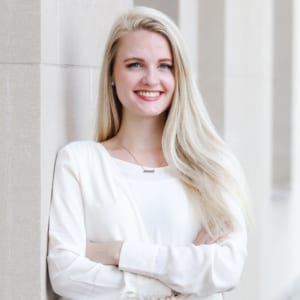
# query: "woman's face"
x,y
143,73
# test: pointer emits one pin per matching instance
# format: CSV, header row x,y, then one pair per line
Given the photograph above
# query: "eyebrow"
x,y
140,59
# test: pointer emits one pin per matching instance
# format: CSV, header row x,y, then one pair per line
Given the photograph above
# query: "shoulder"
x,y
81,157
81,151
80,147
85,159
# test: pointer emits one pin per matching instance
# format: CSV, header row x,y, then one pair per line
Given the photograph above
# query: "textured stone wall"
x,y
19,151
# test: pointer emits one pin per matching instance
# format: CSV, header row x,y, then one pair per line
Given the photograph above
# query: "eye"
x,y
134,65
165,66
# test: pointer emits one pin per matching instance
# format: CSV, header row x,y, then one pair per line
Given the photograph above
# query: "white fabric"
x,y
97,197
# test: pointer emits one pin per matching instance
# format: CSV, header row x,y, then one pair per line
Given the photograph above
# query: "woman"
x,y
153,209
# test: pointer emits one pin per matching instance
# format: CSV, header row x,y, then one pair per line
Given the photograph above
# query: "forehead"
x,y
144,43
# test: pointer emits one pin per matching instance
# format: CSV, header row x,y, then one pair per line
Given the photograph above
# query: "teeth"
x,y
148,94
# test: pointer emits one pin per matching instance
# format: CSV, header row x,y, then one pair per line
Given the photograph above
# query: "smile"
x,y
149,94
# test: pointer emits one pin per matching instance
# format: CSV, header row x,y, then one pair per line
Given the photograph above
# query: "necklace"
x,y
145,170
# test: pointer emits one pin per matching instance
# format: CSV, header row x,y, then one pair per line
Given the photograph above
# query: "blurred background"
x,y
246,60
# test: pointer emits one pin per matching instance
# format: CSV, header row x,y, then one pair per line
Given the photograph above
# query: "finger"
x,y
206,239
218,240
200,237
221,239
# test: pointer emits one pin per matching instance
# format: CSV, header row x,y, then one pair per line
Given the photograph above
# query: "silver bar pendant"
x,y
149,170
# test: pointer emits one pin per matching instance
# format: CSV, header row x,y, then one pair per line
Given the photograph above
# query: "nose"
x,y
151,76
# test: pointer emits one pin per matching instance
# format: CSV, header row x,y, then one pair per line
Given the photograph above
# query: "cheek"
x,y
121,87
120,78
124,86
171,83
169,78
125,80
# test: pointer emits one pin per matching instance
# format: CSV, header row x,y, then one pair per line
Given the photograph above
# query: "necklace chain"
x,y
145,170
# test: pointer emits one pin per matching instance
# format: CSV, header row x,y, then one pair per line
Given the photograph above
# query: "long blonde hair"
x,y
190,142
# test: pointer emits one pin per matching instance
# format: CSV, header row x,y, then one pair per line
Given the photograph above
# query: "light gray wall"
x,y
248,113
20,220
282,94
168,7
211,58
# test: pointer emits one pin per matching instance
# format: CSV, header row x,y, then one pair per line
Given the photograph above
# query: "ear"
x,y
112,80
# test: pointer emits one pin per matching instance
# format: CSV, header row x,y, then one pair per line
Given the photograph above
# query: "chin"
x,y
154,114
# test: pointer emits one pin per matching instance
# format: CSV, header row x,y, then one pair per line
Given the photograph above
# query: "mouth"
x,y
149,95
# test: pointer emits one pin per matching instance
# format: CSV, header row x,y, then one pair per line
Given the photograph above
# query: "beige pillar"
x,y
294,260
210,57
248,108
73,40
50,55
282,98
188,17
168,7
296,103
19,151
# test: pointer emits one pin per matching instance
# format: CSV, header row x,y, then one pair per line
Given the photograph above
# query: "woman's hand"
x,y
204,238
106,253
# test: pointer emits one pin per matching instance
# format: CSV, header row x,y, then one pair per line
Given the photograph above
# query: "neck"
x,y
139,141
142,134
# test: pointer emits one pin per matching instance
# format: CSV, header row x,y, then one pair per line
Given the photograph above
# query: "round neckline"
x,y
134,170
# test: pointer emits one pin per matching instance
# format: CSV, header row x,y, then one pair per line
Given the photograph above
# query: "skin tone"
x,y
144,80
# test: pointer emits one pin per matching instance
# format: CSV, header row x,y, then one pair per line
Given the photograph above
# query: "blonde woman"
x,y
154,209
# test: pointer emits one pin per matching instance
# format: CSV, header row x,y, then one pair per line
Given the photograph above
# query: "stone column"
x,y
282,98
20,188
73,39
50,57
296,103
168,7
188,18
210,53
294,289
248,115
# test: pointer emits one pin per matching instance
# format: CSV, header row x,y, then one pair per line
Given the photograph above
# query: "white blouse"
x,y
100,198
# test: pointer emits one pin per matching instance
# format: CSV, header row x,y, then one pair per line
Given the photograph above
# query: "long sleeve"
x,y
92,200
72,275
199,270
